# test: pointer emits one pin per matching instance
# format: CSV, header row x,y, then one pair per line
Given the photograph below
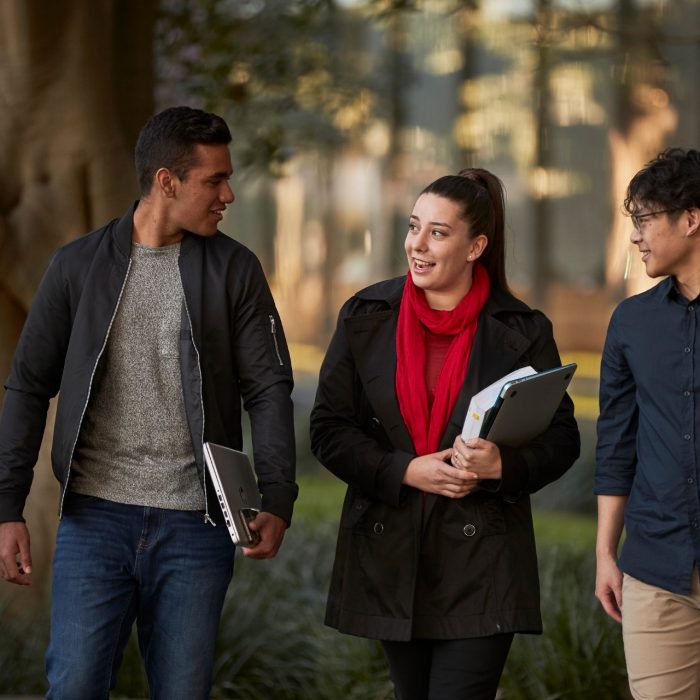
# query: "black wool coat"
x,y
409,565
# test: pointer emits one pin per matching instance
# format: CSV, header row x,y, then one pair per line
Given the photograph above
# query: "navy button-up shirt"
x,y
649,433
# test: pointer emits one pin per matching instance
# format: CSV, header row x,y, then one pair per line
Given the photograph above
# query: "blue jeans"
x,y
117,563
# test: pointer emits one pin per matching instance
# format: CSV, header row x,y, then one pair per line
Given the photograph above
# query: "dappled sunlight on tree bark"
x,y
77,83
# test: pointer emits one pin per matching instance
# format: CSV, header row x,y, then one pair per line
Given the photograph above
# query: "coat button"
x,y
378,528
469,530
375,422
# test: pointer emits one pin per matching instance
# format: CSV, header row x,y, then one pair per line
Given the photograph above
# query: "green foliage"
x,y
565,530
288,74
320,499
24,639
580,654
131,682
272,643
573,492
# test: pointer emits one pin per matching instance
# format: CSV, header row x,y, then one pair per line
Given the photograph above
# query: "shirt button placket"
x,y
692,334
688,350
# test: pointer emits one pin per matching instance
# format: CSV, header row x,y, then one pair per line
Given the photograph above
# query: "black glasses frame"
x,y
638,218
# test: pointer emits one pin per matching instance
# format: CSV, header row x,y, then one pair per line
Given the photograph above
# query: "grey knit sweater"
x,y
134,444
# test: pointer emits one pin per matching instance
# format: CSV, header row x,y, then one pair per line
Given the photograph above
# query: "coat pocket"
x,y
474,516
353,509
383,561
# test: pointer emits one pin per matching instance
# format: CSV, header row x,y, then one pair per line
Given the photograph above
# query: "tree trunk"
x,y
542,267
645,116
76,79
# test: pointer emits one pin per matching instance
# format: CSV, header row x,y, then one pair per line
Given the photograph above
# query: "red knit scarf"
x,y
426,428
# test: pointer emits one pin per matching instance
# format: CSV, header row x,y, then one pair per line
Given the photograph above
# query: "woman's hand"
x,y
478,456
432,474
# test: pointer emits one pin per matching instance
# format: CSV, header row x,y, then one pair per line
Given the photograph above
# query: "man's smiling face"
x,y
202,195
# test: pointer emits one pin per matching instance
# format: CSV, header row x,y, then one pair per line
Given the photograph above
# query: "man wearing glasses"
x,y
648,453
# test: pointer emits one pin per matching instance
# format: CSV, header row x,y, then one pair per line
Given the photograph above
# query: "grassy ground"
x,y
321,498
273,645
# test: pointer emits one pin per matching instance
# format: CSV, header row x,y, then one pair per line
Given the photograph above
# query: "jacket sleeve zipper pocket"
x,y
273,330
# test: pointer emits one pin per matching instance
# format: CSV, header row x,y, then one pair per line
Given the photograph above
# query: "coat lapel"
x,y
497,350
191,263
372,339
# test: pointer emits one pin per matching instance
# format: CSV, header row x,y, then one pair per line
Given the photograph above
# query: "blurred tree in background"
x,y
77,84
290,74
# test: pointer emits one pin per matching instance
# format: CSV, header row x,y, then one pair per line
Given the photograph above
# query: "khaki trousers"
x,y
661,632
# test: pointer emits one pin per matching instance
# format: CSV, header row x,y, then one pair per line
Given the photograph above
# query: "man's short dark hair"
x,y
671,181
169,138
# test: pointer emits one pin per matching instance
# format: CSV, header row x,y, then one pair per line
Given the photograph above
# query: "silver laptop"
x,y
525,407
236,489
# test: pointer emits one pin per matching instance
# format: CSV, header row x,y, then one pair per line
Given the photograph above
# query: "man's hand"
x,y
432,474
608,587
271,529
608,578
14,540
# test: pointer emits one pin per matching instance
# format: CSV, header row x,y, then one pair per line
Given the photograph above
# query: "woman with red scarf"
x,y
436,552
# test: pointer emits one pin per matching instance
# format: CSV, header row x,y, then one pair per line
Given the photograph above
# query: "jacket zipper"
x,y
92,377
273,330
207,517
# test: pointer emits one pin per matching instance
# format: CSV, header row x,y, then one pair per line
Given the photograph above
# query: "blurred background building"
x,y
564,100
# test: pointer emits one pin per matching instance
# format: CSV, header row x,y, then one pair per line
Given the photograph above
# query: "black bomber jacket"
x,y
232,347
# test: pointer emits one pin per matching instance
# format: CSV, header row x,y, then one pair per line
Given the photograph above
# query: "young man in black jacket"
x,y
151,329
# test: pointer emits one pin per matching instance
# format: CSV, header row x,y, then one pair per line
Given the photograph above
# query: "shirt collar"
x,y
674,294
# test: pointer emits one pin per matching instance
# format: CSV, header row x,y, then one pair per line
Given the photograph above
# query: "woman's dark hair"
x,y
670,181
481,197
169,140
